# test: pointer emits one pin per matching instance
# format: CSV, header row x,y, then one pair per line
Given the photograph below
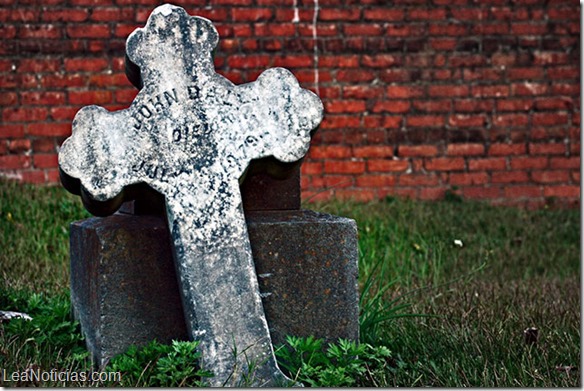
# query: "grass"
x,y
515,269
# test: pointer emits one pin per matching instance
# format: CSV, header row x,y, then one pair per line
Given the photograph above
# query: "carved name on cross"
x,y
190,134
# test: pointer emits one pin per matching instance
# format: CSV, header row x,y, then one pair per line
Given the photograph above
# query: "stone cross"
x,y
190,134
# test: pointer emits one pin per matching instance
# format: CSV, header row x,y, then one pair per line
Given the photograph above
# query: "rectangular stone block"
x,y
124,289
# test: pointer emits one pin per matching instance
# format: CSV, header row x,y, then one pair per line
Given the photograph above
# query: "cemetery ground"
x,y
447,291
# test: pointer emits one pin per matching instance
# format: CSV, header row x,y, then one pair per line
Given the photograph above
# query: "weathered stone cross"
x,y
190,134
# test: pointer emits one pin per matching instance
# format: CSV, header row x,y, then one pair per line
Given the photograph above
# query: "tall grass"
x,y
515,269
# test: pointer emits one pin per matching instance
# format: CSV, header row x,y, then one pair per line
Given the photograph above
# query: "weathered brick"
x,y
465,149
373,151
375,180
386,165
445,164
465,179
490,164
417,150
500,149
330,152
344,167
562,191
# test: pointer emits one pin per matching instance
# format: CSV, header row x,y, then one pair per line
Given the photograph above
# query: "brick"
x,y
38,65
49,129
433,106
311,168
481,192
45,160
549,119
88,31
338,181
250,61
381,60
387,165
40,31
495,91
8,99
562,191
62,113
11,130
562,73
375,180
339,122
444,164
448,90
466,179
384,14
465,149
527,88
86,64
525,73
33,176
487,164
51,98
511,120
521,163
19,145
291,61
392,122
344,167
565,162
429,121
549,58
454,29
354,75
373,151
550,176
64,15
329,152
547,149
251,14
62,81
391,106
500,149
418,180
337,14
509,177
427,14
24,114
514,104
328,61
473,105
529,28
464,120
559,103
110,14
417,150
369,29
14,162
360,195
362,92
522,191
344,106
404,92
432,193
90,97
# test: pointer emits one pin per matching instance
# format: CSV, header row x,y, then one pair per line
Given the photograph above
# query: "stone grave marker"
x,y
190,134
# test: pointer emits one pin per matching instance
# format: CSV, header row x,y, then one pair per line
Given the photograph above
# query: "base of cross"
x,y
124,289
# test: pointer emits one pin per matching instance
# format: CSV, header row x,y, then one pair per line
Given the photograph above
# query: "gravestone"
x,y
190,135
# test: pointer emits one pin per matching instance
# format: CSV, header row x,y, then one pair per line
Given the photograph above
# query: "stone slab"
x,y
124,289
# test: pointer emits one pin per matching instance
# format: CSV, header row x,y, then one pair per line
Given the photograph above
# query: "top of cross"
x,y
186,119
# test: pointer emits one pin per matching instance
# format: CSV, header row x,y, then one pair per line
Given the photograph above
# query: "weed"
x,y
160,365
344,364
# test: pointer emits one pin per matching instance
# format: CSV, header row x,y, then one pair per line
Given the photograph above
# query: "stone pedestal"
x,y
124,289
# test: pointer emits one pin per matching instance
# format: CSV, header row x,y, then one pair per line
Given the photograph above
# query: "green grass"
x,y
516,269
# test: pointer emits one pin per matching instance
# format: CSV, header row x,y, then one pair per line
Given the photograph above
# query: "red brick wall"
x,y
480,98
